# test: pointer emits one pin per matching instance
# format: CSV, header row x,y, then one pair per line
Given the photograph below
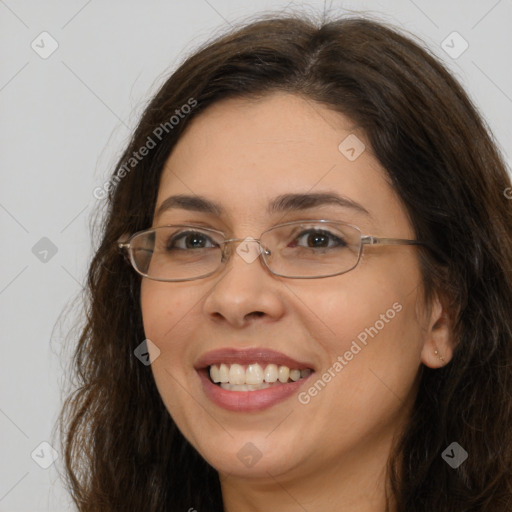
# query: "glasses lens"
x,y
312,249
176,252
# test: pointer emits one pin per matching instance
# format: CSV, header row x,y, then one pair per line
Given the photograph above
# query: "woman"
x,y
317,313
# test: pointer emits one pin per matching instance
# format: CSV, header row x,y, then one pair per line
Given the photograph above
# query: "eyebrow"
x,y
280,204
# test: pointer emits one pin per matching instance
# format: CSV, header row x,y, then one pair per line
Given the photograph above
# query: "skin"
x,y
242,153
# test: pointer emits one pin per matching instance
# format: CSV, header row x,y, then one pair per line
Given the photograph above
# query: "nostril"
x,y
256,314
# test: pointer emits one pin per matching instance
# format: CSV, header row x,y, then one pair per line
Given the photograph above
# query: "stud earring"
x,y
437,352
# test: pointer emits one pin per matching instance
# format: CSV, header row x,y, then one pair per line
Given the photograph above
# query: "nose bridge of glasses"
x,y
248,240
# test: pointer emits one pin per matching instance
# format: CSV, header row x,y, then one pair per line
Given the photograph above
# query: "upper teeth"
x,y
254,373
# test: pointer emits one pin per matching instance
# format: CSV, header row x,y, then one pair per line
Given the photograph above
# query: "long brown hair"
x,y
122,448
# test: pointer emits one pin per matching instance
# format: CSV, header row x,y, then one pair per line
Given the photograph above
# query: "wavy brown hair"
x,y
122,448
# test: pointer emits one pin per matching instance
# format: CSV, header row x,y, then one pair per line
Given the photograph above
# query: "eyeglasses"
x,y
305,249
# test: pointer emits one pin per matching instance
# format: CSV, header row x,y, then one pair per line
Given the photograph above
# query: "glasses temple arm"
x,y
373,240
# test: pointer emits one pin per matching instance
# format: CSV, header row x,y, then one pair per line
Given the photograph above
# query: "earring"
x,y
441,358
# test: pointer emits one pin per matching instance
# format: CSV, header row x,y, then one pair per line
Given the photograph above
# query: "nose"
x,y
245,289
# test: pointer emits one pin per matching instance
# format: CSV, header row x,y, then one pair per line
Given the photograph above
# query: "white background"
x,y
64,121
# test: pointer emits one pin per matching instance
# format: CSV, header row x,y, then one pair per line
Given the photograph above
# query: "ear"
x,y
438,336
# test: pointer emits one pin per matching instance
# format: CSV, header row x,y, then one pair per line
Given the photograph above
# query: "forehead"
x,y
244,153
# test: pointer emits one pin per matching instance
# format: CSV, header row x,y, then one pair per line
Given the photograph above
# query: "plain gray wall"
x,y
64,121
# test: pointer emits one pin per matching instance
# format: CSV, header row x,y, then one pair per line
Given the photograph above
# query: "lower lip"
x,y
243,401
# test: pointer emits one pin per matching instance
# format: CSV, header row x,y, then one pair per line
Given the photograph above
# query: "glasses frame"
x,y
364,240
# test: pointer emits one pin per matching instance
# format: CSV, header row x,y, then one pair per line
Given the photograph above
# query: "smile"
x,y
244,380
252,377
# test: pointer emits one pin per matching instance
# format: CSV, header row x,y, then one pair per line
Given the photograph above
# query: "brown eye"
x,y
191,239
318,239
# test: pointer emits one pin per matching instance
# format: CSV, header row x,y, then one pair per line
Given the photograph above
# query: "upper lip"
x,y
249,356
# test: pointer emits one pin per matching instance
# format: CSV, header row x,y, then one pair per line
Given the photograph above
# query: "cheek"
x,y
162,305
371,321
373,358
167,317
346,308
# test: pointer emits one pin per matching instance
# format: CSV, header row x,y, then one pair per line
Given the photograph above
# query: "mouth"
x,y
250,379
255,376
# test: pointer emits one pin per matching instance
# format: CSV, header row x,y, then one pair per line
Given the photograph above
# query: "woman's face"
x,y
362,333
